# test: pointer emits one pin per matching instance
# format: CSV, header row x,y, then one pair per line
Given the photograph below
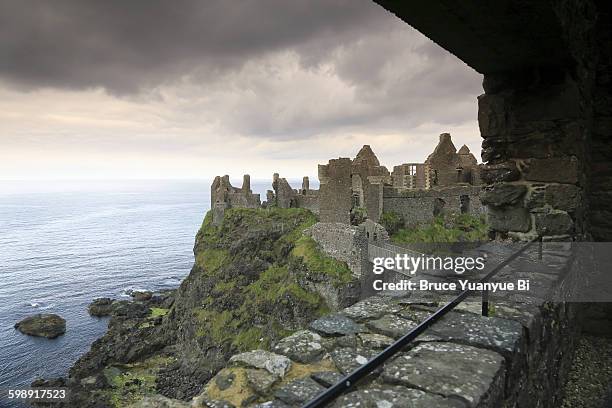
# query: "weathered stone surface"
x,y
371,308
335,325
299,391
260,380
554,170
375,341
490,332
272,404
509,219
274,363
209,403
395,397
391,325
326,378
448,369
159,401
303,346
554,223
503,194
348,359
42,325
495,173
224,380
564,197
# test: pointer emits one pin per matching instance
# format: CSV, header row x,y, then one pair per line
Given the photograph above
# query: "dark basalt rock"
x,y
42,325
503,194
101,307
142,296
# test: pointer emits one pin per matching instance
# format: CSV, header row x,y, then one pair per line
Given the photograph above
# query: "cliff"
x,y
256,279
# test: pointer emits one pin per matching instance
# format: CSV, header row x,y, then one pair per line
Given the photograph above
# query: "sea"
x,y
65,243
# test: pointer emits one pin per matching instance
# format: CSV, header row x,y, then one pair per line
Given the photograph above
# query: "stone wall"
x,y
420,206
516,358
343,242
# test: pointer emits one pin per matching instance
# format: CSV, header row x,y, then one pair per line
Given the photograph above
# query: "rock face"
x,y
42,325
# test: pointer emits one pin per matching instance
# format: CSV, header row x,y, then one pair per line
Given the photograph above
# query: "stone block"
x,y
450,370
554,223
566,197
509,219
491,115
554,170
495,173
502,194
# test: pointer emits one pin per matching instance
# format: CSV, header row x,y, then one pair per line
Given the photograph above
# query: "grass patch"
x,y
447,229
308,250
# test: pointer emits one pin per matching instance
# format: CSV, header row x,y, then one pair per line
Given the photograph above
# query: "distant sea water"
x,y
64,244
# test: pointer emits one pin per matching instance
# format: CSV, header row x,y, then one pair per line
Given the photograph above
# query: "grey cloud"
x,y
125,45
222,56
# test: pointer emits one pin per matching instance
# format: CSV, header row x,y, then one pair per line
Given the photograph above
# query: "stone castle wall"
x,y
421,206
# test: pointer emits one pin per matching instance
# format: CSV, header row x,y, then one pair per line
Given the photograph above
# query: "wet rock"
x,y
335,325
450,370
326,378
42,325
303,346
375,341
371,308
395,397
274,363
490,332
503,194
299,391
141,296
348,359
260,380
130,310
101,307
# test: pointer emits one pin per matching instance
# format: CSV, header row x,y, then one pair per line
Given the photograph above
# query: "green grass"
x,y
308,250
448,229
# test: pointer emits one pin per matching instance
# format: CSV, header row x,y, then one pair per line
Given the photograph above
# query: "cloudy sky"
x,y
195,88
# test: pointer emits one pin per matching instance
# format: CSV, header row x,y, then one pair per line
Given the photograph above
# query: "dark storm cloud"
x,y
126,45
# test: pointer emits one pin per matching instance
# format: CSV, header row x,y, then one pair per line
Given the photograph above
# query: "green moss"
x,y
308,250
211,259
251,339
158,311
131,382
217,325
252,264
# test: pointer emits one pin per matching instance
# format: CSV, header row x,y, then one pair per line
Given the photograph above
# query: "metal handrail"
x,y
347,382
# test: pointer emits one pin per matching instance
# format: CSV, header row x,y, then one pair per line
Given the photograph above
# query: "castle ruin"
x,y
361,188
